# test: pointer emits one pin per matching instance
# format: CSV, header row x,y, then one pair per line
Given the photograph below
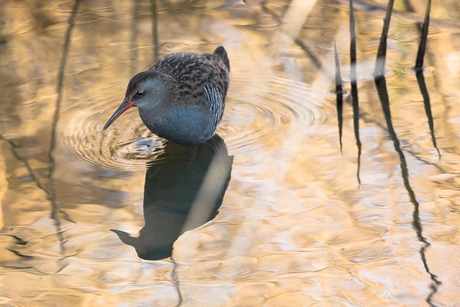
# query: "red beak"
x,y
125,105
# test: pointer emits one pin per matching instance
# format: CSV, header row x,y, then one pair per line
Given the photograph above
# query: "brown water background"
x,y
295,227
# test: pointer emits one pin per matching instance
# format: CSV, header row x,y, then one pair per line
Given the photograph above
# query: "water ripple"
x,y
270,114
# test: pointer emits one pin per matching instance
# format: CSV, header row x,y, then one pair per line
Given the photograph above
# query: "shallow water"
x,y
294,227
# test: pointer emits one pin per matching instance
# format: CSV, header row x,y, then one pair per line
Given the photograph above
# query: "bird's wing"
x,y
193,72
215,102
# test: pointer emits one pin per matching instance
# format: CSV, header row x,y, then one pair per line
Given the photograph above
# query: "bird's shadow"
x,y
184,188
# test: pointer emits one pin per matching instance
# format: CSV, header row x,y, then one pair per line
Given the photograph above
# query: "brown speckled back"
x,y
192,72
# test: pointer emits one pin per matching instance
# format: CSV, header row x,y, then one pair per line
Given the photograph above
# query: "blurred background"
x,y
298,222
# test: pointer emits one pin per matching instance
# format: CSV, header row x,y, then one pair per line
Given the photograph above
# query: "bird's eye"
x,y
139,94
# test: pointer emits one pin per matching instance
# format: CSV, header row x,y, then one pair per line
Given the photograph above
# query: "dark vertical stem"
x,y
427,105
424,36
421,78
154,29
382,51
2,25
354,86
380,83
339,94
57,112
352,43
134,37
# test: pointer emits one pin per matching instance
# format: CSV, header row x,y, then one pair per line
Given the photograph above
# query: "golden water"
x,y
295,228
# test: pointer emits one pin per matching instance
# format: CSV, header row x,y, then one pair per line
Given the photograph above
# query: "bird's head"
x,y
146,90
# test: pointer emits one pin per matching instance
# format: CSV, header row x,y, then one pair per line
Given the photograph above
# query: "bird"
x,y
181,97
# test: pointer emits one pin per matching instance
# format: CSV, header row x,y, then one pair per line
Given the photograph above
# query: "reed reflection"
x,y
183,190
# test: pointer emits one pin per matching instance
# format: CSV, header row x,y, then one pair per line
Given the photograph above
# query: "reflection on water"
x,y
182,191
294,227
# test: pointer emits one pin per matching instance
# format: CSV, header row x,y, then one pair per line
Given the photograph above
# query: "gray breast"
x,y
183,124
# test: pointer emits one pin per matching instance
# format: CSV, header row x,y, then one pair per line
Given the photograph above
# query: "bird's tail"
x,y
222,54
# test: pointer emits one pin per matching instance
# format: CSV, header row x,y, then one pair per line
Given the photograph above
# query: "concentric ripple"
x,y
126,144
277,111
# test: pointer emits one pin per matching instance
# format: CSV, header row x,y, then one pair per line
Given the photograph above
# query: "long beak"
x,y
125,105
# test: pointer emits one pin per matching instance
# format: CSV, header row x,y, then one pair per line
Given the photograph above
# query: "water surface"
x,y
294,226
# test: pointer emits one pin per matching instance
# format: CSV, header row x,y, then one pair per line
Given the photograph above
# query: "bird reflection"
x,y
183,190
